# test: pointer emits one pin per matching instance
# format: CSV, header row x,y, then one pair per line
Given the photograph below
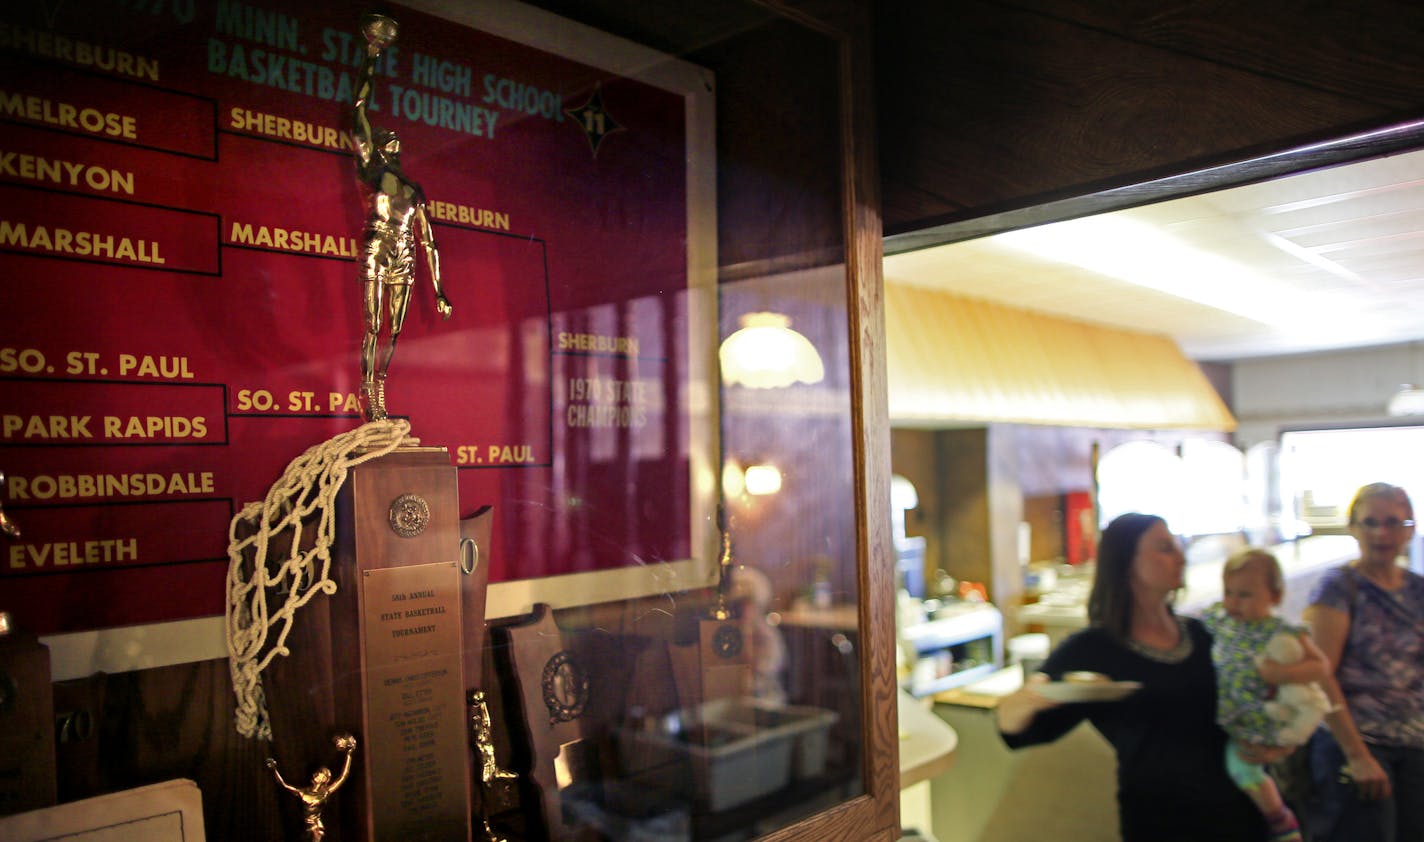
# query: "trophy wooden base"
x,y
27,732
383,658
718,667
548,683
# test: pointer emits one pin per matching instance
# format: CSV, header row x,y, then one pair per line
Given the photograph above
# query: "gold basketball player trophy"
x,y
370,522
395,221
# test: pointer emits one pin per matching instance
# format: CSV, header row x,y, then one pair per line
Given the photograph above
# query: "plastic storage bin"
x,y
730,751
807,728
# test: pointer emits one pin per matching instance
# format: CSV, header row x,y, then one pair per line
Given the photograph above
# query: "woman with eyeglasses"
x,y
1368,618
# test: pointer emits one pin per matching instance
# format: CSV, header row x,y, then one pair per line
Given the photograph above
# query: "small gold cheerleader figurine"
x,y
321,788
8,527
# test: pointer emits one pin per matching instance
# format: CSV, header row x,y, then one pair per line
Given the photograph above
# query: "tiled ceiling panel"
x,y
1341,250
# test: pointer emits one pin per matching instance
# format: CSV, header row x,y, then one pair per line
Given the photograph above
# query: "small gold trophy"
x,y
9,528
494,781
725,568
315,795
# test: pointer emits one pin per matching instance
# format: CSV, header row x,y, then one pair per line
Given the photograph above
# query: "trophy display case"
x,y
543,573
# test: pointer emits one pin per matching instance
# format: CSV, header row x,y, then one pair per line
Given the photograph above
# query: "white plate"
x,y
1102,691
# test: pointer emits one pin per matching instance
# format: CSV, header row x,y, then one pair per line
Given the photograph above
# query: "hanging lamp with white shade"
x,y
765,353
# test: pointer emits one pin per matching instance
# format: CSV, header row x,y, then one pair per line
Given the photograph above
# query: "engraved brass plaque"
x,y
415,710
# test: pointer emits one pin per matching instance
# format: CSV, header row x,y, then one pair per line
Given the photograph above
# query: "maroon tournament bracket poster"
x,y
182,316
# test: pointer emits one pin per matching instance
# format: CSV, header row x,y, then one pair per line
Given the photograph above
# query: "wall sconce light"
x,y
903,497
762,480
754,480
767,354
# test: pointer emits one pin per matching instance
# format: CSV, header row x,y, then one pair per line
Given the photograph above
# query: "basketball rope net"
x,y
303,498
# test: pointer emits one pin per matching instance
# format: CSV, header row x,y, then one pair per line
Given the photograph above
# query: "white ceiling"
x,y
1337,254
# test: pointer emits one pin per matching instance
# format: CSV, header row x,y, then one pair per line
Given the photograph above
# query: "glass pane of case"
x,y
582,559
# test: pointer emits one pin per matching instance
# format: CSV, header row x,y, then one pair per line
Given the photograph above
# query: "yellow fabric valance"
x,y
956,359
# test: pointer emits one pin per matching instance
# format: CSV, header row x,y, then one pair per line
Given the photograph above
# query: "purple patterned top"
x,y
1381,670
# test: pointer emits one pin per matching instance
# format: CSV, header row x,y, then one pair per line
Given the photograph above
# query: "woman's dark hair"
x,y
1110,601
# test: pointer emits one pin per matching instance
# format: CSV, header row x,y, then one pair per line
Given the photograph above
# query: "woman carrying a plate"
x,y
1171,783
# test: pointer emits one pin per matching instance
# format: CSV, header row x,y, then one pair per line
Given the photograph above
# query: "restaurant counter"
x,y
928,747
927,743
1061,611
